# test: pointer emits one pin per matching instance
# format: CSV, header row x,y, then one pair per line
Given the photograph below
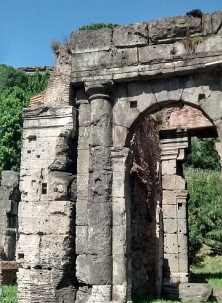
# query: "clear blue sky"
x,y
27,26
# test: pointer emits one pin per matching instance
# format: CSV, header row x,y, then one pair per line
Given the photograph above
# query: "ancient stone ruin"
x,y
103,211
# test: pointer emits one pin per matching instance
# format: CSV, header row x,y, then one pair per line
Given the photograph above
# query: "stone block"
x,y
120,117
84,137
91,40
100,214
119,136
81,242
170,226
212,105
183,262
52,217
170,244
84,114
25,245
58,186
182,244
82,186
171,263
209,44
169,167
83,161
182,226
119,212
100,184
131,35
169,197
173,182
168,91
95,270
82,212
173,28
100,159
142,94
118,186
195,292
101,293
119,269
119,240
98,60
56,251
181,210
169,211
120,292
83,294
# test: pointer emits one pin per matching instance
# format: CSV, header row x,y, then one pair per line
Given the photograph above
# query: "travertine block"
x,y
94,270
170,244
173,182
169,211
169,167
119,212
171,263
51,217
81,212
100,214
131,35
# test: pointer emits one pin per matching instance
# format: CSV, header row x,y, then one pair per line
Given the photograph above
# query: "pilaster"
x,y
174,207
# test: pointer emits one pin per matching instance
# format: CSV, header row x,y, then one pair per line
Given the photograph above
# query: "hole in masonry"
x,y
201,97
133,104
28,151
32,138
180,205
44,188
21,256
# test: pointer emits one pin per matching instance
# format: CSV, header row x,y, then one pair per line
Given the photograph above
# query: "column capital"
x,y
99,90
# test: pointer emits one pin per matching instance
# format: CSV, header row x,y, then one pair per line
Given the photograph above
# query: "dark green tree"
x,y
11,77
205,209
203,154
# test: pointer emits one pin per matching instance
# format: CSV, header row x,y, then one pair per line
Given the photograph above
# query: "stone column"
x,y
175,265
94,241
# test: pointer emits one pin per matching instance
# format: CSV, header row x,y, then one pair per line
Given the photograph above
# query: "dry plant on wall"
x,y
190,43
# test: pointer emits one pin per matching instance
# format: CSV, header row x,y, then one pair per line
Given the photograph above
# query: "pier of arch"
x,y
80,211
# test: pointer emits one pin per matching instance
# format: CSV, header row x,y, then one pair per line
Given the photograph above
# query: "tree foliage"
x,y
205,208
95,26
202,171
203,154
16,89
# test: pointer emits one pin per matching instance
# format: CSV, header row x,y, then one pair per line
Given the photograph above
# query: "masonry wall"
x,y
46,235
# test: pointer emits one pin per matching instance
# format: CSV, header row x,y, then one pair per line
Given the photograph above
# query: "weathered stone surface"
x,y
173,182
92,40
194,292
94,270
131,35
171,29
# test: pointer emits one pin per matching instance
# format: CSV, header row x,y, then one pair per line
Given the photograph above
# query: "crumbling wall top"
x,y
163,47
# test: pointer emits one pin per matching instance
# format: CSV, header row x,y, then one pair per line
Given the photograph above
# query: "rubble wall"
x,y
146,156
